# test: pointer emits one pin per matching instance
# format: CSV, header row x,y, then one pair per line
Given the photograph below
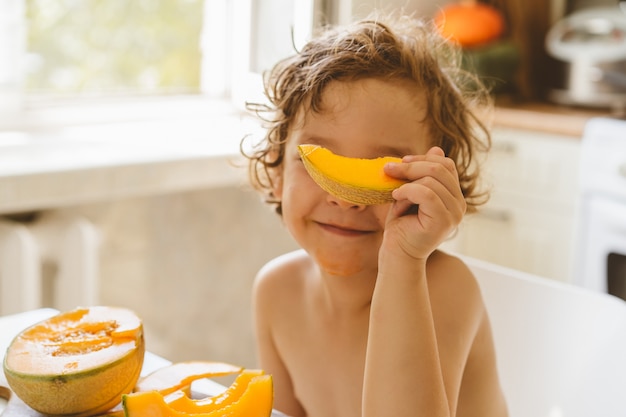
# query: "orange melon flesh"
x,y
173,382
79,362
180,401
356,180
255,401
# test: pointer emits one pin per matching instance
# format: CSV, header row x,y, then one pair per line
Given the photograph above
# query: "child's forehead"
x,y
383,118
338,91
362,96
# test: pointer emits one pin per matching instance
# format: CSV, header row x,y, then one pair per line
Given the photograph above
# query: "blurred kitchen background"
x,y
121,181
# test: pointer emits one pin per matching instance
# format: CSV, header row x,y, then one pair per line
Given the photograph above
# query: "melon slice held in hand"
x,y
356,180
78,362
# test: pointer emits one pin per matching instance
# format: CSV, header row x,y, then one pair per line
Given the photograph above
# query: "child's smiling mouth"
x,y
342,230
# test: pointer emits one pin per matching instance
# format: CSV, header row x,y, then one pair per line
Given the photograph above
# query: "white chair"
x,y
561,348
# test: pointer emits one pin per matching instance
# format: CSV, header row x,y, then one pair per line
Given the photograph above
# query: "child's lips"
x,y
343,230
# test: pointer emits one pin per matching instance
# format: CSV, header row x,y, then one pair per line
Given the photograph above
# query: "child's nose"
x,y
335,201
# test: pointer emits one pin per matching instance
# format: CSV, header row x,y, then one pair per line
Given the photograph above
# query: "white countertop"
x,y
65,165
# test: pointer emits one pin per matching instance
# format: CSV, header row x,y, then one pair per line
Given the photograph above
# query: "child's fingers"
x,y
434,154
433,182
432,195
442,170
436,150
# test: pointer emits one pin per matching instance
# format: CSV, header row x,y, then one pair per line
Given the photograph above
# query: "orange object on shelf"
x,y
470,23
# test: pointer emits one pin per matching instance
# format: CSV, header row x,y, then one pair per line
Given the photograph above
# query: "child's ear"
x,y
277,184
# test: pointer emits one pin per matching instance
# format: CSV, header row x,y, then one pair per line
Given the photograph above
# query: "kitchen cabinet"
x,y
528,223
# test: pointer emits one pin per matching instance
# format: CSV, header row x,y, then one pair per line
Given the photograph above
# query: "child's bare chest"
x,y
326,362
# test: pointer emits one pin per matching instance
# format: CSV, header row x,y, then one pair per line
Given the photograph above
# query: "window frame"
x,y
247,85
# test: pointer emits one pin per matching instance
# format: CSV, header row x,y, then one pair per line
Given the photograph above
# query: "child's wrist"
x,y
396,256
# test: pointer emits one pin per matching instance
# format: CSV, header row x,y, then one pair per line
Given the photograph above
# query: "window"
x,y
94,47
67,51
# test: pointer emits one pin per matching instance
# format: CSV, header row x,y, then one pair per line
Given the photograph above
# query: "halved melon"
x,y
356,180
78,362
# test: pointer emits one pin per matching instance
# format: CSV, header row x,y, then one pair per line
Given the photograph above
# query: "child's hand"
x,y
429,207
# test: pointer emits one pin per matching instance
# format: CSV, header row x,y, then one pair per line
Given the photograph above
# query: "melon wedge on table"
x,y
254,399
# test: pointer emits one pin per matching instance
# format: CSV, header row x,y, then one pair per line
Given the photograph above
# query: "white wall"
x,y
185,264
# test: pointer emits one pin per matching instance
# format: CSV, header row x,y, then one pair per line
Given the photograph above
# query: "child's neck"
x,y
347,295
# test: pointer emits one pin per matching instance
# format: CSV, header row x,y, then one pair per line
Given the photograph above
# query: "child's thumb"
x,y
436,150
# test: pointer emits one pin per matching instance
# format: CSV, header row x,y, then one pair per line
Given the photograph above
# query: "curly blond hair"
x,y
392,48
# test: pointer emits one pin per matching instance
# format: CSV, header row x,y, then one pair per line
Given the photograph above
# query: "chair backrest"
x,y
561,348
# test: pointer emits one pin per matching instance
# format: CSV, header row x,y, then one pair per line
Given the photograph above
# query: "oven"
x,y
600,253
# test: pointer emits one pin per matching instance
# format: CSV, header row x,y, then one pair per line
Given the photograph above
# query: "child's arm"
x,y
267,289
407,372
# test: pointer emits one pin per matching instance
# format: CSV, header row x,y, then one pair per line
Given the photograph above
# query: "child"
x,y
369,318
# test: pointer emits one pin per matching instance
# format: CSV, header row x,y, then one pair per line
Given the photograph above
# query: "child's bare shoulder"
x,y
285,273
452,267
450,280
